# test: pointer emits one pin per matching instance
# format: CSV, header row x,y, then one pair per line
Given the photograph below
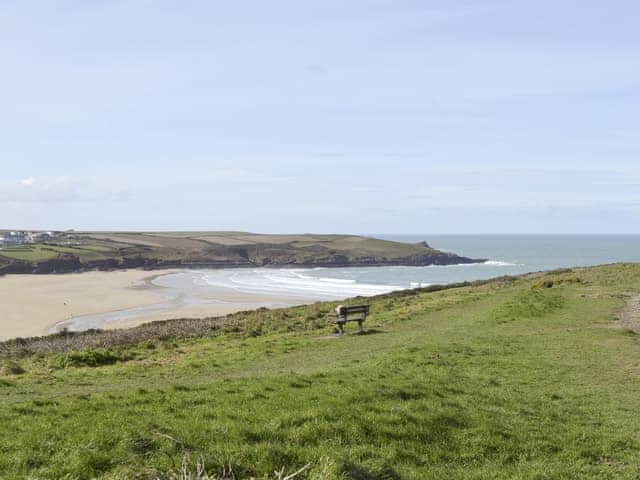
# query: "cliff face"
x,y
74,264
156,251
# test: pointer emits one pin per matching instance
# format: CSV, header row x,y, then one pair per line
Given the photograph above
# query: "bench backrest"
x,y
356,309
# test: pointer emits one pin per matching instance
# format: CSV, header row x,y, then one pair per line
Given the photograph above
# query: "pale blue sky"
x,y
400,116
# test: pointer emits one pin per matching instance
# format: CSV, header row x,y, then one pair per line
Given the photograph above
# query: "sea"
x,y
505,254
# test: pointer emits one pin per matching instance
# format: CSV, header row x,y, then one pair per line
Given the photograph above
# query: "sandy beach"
x,y
33,305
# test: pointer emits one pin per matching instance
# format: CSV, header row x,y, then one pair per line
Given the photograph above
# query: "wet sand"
x,y
33,305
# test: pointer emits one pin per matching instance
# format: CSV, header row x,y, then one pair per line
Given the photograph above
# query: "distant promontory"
x,y
64,252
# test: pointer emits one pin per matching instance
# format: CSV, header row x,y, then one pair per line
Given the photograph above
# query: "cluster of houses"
x,y
22,238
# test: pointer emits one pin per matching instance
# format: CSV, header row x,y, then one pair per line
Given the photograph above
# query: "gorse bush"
x,y
10,367
93,357
555,282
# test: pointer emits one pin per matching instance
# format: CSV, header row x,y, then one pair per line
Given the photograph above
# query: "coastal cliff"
x,y
83,251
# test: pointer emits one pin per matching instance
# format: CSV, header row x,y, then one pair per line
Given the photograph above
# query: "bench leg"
x,y
341,329
360,330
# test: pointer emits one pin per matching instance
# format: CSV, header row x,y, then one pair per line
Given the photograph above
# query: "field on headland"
x,y
78,251
512,378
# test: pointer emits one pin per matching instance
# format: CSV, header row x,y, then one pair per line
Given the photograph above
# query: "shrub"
x,y
9,367
548,283
148,344
93,357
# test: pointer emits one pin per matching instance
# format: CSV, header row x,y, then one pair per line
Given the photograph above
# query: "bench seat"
x,y
355,313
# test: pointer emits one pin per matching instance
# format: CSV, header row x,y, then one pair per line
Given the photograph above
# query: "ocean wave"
x,y
498,263
309,284
293,283
337,280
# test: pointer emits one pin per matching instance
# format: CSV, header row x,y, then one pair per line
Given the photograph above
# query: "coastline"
x,y
31,305
36,305
72,266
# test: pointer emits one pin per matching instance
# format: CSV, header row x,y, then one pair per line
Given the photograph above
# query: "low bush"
x,y
93,357
10,367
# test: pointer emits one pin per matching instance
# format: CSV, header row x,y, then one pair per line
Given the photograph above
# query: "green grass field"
x,y
525,379
29,253
39,252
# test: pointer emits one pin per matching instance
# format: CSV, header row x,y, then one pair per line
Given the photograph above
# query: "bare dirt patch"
x,y
630,316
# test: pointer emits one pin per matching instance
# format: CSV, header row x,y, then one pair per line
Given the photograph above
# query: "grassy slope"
x,y
506,380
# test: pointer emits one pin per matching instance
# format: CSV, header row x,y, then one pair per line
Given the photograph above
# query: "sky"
x,y
366,116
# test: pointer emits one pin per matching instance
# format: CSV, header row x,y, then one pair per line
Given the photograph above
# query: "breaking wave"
x,y
316,284
293,283
498,263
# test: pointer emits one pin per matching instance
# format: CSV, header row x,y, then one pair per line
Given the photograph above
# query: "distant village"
x,y
23,238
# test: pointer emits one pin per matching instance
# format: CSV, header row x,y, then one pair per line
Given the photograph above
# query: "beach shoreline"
x,y
36,305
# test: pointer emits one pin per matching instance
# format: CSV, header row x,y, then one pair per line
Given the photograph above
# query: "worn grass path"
x,y
506,380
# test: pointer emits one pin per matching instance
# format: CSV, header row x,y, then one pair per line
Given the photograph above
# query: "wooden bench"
x,y
356,313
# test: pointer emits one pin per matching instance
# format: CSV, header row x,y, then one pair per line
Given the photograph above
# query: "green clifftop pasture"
x,y
515,378
79,251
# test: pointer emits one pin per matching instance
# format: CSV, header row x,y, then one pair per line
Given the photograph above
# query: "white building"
x,y
17,238
42,236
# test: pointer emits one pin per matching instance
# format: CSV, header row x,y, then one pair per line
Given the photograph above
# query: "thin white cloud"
x,y
54,190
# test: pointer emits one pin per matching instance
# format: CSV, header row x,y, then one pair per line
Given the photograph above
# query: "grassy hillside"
x,y
86,250
515,378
